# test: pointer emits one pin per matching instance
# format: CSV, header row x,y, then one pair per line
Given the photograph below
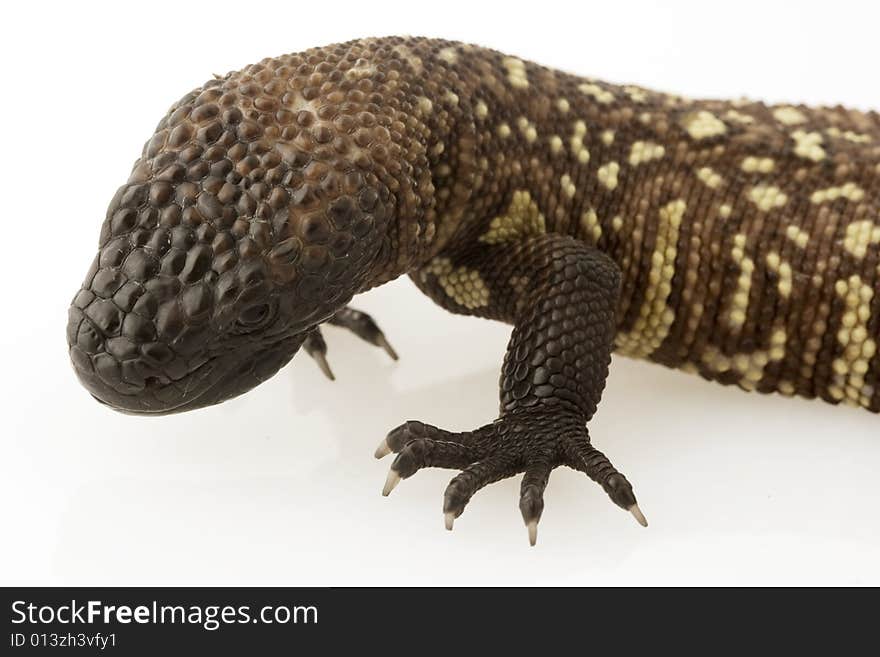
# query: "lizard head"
x,y
242,226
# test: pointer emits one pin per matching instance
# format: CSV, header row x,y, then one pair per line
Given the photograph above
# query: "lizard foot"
x,y
363,326
359,323
529,442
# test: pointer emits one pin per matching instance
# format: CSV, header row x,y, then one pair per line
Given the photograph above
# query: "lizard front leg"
x,y
356,321
560,294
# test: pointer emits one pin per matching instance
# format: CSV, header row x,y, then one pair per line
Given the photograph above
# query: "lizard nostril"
x,y
152,382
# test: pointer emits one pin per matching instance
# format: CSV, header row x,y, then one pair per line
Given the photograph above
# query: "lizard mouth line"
x,y
195,377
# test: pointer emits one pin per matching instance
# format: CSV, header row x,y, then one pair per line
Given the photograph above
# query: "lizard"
x,y
735,240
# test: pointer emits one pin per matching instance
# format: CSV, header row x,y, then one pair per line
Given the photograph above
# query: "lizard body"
x,y
731,239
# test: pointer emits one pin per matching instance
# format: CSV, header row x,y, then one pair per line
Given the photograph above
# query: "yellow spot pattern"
x,y
448,55
590,225
709,177
516,72
767,197
596,92
636,94
655,317
798,236
849,191
757,164
608,174
789,115
462,285
527,128
783,270
738,117
523,218
849,135
425,105
849,369
568,187
703,124
739,302
750,366
645,151
808,145
859,236
577,142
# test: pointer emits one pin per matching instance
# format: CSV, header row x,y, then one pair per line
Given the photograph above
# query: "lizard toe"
x,y
364,327
359,323
582,456
316,347
420,445
530,443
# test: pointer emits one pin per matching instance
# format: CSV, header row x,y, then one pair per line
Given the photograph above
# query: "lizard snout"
x,y
124,373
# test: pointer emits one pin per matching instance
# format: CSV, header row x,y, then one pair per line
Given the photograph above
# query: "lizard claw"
x,y
532,526
363,326
383,449
638,515
381,341
321,360
359,323
449,520
529,442
391,482
316,347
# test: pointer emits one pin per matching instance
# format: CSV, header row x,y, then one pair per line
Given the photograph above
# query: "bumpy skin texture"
x,y
731,239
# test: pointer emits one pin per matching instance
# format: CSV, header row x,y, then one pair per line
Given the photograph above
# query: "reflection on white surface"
x,y
280,487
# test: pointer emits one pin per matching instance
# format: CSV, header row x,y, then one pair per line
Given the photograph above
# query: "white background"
x,y
279,486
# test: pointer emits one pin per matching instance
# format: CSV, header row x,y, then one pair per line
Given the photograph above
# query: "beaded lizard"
x,y
731,239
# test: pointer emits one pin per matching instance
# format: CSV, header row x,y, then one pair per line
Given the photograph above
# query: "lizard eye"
x,y
255,316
